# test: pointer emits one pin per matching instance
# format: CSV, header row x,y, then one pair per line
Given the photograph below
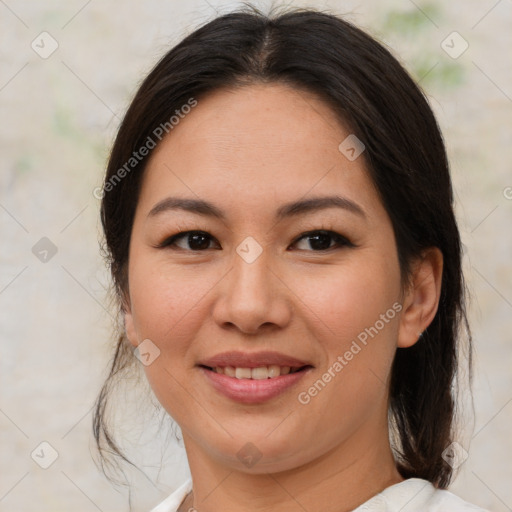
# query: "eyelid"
x,y
340,239
170,240
334,234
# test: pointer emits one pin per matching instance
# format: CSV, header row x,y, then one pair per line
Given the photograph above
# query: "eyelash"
x,y
340,240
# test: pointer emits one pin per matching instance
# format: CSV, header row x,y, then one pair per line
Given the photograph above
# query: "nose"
x,y
252,297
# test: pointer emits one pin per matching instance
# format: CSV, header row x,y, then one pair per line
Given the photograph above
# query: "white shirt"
x,y
412,495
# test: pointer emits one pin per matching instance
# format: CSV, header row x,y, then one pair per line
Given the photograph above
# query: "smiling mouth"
x,y
259,373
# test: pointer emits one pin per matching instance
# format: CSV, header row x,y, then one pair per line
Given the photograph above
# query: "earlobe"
x,y
421,300
129,326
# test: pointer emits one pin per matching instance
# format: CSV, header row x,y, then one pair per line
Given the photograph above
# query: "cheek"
x,y
165,300
352,317
346,300
167,308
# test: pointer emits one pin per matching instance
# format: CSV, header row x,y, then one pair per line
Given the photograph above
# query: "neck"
x,y
338,481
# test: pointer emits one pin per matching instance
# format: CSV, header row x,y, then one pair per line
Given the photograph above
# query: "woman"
x,y
278,214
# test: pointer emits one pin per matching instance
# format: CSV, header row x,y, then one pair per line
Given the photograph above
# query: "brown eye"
x,y
196,241
321,240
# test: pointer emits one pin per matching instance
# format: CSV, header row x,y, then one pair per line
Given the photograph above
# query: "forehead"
x,y
256,144
267,121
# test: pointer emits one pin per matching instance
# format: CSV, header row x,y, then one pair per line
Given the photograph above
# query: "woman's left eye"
x,y
320,240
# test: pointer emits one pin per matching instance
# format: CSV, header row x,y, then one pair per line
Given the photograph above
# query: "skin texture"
x,y
248,151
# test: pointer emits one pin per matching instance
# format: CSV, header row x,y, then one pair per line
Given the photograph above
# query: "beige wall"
x,y
58,117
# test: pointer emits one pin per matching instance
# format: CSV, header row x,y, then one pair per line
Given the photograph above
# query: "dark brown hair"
x,y
405,155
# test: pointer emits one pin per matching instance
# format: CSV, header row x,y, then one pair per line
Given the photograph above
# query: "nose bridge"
x,y
251,295
252,278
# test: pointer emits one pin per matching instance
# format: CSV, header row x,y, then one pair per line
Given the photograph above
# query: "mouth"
x,y
253,386
253,377
259,373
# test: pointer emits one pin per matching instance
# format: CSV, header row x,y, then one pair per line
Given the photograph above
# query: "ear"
x,y
421,299
129,324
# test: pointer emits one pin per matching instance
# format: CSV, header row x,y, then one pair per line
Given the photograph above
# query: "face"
x,y
319,283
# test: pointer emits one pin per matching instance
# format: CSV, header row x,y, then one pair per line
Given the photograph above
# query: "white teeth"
x,y
229,371
243,373
274,370
260,373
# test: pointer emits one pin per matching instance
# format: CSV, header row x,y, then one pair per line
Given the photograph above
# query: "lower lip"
x,y
252,391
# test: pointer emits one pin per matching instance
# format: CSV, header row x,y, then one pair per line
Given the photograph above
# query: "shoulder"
x,y
417,495
445,501
412,495
173,501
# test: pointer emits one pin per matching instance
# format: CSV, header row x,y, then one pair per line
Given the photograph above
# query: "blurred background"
x,y
68,71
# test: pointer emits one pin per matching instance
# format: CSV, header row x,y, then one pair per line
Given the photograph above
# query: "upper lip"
x,y
252,360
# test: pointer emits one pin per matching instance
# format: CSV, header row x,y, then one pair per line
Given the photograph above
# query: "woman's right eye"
x,y
196,240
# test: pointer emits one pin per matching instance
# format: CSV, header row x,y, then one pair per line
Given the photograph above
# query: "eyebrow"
x,y
207,209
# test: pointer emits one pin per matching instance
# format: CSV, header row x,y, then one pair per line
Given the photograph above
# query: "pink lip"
x,y
252,360
252,391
